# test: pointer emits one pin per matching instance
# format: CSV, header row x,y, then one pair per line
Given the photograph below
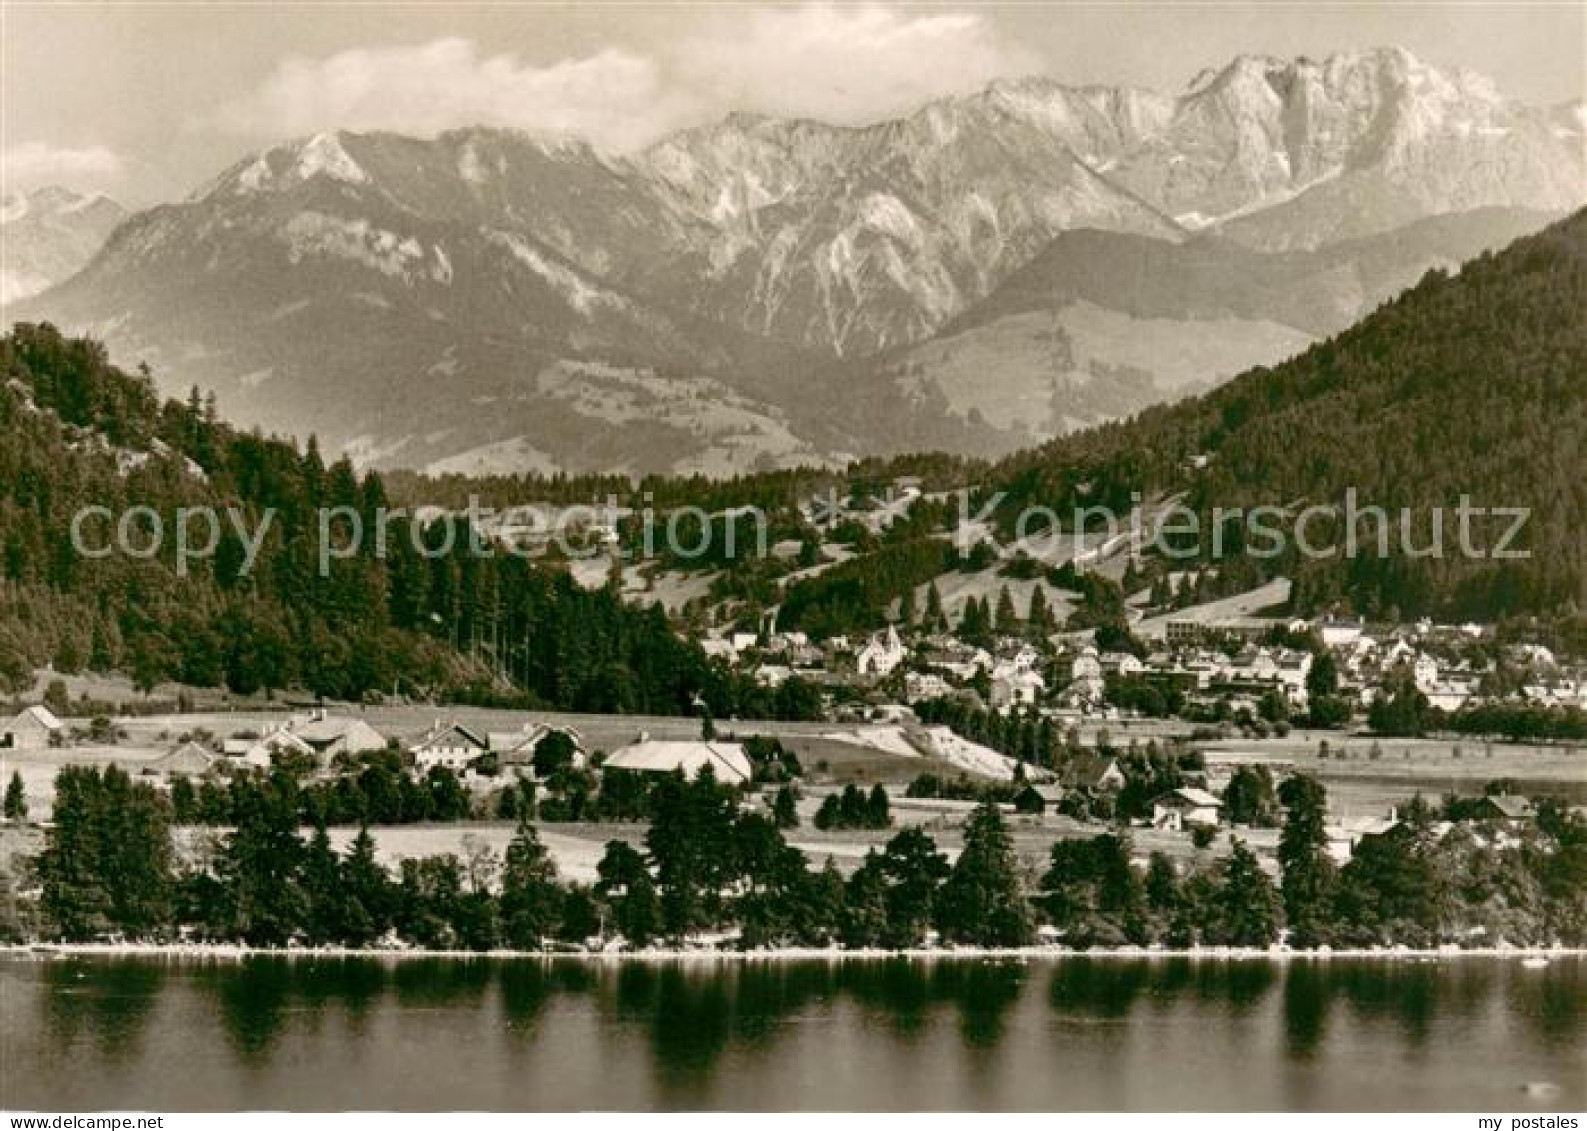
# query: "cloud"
x,y
611,97
35,163
848,65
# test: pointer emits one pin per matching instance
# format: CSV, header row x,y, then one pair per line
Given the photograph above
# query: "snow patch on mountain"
x,y
579,293
49,234
310,234
322,155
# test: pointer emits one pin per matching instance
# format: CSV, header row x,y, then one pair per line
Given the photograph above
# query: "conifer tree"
x,y
1309,877
529,892
877,810
323,892
16,801
1006,620
261,864
626,885
914,870
784,810
1041,622
936,619
1247,910
981,901
864,920
367,893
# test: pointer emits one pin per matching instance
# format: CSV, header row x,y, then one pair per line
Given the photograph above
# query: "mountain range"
x,y
48,235
985,273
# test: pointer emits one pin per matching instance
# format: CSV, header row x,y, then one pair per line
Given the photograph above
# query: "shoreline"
x,y
1025,954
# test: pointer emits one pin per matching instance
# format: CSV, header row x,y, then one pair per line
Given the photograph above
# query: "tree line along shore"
x,y
712,871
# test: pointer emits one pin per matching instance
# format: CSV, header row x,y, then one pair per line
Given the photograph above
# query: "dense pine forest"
x,y
1468,384
75,432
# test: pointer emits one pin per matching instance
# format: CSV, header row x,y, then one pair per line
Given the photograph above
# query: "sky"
x,y
147,101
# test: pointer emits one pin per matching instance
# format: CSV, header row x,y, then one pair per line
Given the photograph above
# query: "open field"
x,y
1364,777
577,848
1360,784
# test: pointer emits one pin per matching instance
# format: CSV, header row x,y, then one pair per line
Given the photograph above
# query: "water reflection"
x,y
1308,993
253,998
688,1021
1555,1000
1099,987
442,983
106,1003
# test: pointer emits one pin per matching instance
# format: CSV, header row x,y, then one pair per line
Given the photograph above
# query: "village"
x,y
1083,764
1174,721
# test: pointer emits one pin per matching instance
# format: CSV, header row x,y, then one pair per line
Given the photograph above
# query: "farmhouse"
x,y
1344,835
329,737
727,760
1184,807
517,748
451,745
1504,807
262,751
1092,771
189,760
33,729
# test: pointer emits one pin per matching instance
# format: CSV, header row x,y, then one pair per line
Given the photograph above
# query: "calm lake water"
x,y
180,1034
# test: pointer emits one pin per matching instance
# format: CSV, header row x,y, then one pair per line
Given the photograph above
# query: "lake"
x,y
184,1034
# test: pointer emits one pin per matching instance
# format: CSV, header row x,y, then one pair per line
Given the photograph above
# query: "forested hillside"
x,y
75,432
1473,384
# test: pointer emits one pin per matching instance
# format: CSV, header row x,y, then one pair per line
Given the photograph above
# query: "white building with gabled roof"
x,y
452,745
727,760
34,728
881,654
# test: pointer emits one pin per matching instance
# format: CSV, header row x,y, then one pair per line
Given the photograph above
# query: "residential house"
x,y
1505,807
1019,687
451,745
1292,668
1339,631
188,760
1345,834
719,648
1186,807
1120,664
795,649
959,660
1453,693
517,748
773,675
35,728
1018,655
330,737
262,752
1097,772
1085,665
919,686
1051,794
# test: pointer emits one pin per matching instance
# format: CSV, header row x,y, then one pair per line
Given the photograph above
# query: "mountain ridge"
x,y
716,288
49,234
